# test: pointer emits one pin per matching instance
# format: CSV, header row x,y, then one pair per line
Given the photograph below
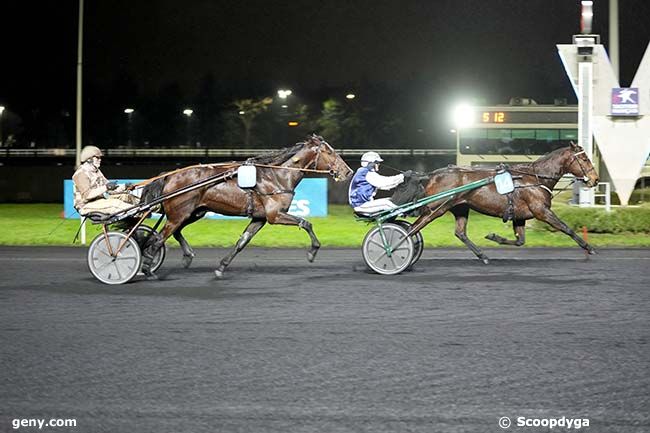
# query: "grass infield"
x,y
41,224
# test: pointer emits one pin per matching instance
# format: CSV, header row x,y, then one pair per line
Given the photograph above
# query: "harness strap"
x,y
547,189
250,205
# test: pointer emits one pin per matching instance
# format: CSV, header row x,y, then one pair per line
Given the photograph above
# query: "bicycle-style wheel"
x,y
387,249
109,265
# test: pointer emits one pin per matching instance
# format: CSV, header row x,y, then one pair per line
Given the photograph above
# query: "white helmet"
x,y
370,157
88,152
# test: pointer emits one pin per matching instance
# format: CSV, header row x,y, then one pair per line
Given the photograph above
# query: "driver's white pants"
x,y
110,205
373,206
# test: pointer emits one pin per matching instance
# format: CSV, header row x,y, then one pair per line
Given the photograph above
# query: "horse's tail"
x,y
152,191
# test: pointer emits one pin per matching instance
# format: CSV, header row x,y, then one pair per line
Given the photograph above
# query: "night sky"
x,y
436,51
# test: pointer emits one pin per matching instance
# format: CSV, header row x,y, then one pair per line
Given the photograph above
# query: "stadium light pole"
x,y
188,114
284,94
613,36
129,126
80,30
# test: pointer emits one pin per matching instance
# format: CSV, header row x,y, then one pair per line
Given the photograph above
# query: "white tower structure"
x,y
623,141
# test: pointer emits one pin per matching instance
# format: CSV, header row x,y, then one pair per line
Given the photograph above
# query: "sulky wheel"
x,y
111,266
142,235
400,249
418,242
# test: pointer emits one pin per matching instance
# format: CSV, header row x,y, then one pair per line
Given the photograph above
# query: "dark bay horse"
x,y
530,199
278,175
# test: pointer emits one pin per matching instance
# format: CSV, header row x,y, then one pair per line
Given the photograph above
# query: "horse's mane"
x,y
542,165
278,156
551,155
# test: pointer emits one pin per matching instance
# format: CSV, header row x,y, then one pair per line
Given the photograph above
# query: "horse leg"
x,y
462,213
155,243
548,216
251,230
188,252
520,235
288,219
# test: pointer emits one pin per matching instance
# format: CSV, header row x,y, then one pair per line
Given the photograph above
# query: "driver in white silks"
x,y
93,192
367,181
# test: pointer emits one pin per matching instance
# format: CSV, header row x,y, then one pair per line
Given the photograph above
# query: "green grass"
x,y
41,224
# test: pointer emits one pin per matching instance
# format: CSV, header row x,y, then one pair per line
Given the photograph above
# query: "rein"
x,y
160,176
306,170
232,165
539,176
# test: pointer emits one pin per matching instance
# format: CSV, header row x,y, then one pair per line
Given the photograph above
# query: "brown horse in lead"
x,y
530,199
278,174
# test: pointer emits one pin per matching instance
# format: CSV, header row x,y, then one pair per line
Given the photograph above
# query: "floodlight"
x,y
463,115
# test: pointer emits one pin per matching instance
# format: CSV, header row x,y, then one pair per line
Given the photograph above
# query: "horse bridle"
x,y
575,158
314,161
584,172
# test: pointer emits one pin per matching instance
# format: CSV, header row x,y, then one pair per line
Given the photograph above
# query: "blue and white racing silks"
x,y
360,189
365,183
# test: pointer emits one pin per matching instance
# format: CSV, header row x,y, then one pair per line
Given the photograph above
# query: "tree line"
x,y
227,115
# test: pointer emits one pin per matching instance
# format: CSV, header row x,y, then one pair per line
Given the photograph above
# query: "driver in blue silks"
x,y
367,181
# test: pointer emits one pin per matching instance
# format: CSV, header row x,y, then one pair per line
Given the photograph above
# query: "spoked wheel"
x,y
393,258
111,266
418,242
142,235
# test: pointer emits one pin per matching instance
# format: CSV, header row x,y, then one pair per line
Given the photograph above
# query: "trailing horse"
x,y
531,197
278,174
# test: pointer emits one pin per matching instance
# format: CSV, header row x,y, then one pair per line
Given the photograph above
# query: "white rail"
x,y
232,152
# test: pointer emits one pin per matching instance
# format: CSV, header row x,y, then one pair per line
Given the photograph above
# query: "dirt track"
x,y
281,345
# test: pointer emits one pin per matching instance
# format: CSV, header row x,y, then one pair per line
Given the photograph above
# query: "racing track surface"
x,y
281,345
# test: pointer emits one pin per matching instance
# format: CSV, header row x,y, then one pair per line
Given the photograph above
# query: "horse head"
x,y
326,158
579,165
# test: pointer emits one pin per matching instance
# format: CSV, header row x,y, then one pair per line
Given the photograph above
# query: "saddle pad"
x,y
503,182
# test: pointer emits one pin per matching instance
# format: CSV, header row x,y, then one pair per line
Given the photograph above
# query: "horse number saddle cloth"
x,y
505,186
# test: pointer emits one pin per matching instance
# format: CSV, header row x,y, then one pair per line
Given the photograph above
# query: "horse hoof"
x,y
485,260
592,251
150,276
187,261
218,274
311,256
491,237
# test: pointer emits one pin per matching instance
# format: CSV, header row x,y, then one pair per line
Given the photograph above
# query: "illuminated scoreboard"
x,y
493,117
527,116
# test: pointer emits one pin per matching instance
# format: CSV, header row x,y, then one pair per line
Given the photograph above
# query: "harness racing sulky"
x,y
262,189
517,193
259,188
